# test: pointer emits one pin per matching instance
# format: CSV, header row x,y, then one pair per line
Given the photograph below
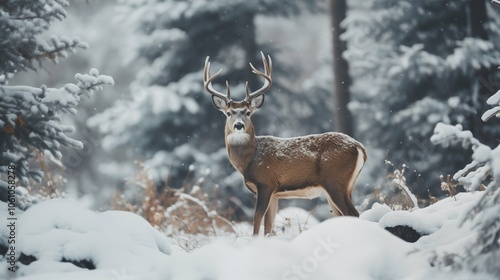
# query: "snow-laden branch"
x,y
475,173
30,119
22,24
56,47
495,111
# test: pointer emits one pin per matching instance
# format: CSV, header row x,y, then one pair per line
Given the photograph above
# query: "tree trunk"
x,y
249,43
477,20
341,94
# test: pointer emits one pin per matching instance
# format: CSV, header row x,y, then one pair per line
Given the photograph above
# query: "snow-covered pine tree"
x,y
170,122
483,248
30,118
417,63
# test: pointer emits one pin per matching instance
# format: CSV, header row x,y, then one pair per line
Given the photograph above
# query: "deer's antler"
x,y
267,75
207,82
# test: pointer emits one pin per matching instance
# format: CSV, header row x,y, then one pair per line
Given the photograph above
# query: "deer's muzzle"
x,y
239,126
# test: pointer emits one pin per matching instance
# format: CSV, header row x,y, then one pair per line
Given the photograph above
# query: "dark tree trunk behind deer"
x,y
341,95
249,44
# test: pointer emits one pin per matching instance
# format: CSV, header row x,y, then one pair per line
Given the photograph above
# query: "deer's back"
x,y
298,162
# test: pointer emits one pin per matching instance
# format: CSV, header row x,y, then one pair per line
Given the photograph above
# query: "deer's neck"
x,y
241,148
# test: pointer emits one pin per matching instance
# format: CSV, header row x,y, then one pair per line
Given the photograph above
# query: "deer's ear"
x,y
257,102
219,103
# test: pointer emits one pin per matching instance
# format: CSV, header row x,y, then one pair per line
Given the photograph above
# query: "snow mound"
x,y
58,232
352,248
122,245
339,248
376,212
425,220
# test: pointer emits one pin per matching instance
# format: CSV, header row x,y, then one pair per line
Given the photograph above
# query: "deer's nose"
x,y
239,126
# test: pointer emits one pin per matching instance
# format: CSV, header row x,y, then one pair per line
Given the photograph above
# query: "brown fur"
x,y
273,167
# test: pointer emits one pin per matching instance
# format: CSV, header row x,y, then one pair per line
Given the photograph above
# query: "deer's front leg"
x,y
270,215
263,200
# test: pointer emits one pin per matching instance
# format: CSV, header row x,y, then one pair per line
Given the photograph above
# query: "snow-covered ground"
x,y
119,245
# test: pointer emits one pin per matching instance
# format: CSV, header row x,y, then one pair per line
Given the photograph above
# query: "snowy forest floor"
x,y
61,239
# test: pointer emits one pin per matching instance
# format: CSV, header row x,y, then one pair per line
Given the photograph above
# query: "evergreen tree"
x,y
170,122
30,118
417,63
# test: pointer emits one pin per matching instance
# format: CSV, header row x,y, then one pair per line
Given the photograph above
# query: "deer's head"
x,y
239,128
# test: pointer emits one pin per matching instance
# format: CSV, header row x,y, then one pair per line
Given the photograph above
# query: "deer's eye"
x,y
228,114
248,114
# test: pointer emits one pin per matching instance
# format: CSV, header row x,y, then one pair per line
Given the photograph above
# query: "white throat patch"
x,y
238,138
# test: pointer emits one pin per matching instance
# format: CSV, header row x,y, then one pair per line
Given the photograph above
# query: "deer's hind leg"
x,y
334,207
336,200
352,210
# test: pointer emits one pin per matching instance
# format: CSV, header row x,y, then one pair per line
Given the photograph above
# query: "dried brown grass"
x,y
187,210
52,183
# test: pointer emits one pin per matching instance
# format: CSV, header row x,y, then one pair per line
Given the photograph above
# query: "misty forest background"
x,y
383,71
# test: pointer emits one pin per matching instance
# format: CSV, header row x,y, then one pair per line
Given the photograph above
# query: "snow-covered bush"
x,y
482,172
30,118
398,179
396,192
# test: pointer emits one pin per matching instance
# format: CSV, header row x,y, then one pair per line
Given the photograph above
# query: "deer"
x,y
276,168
